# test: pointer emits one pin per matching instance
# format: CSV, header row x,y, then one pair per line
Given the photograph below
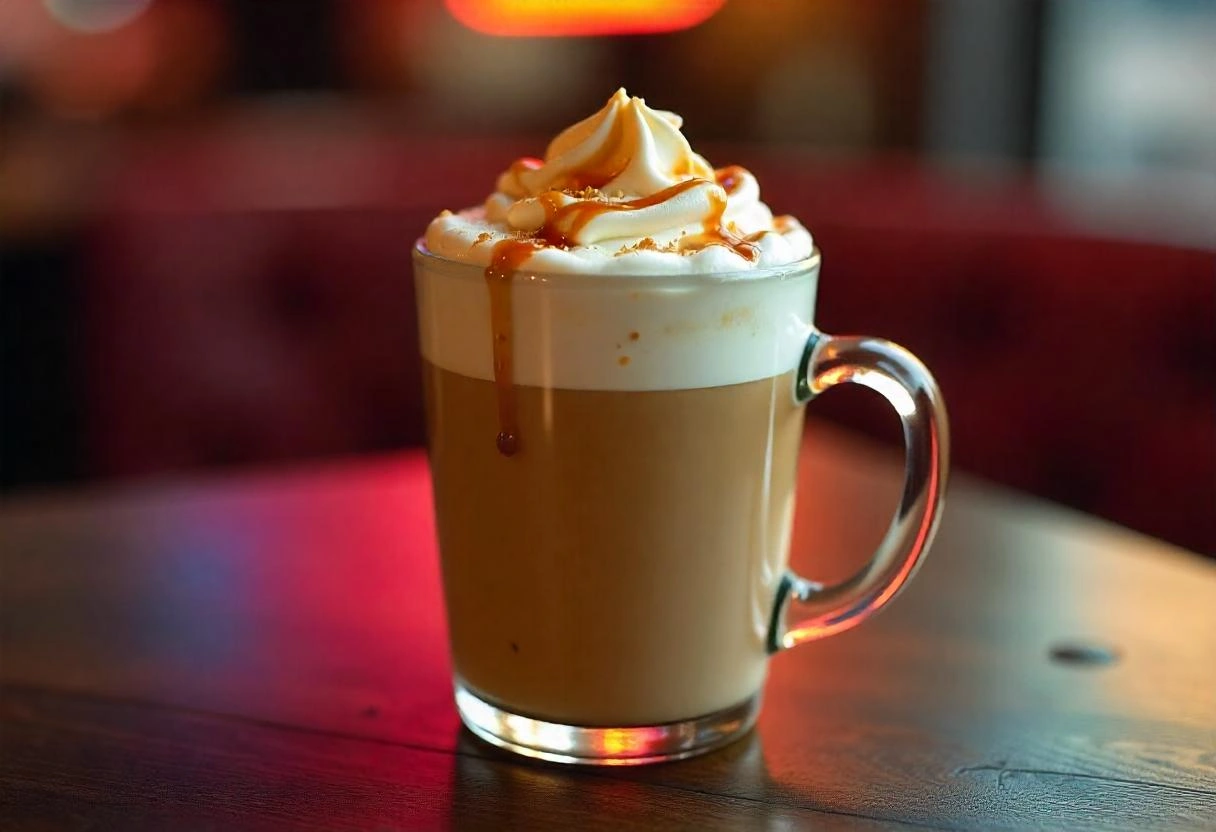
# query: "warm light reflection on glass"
x,y
580,17
620,742
891,390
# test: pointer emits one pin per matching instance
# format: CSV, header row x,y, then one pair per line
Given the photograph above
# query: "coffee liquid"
x,y
620,567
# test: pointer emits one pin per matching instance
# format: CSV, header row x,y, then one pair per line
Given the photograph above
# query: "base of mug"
x,y
587,745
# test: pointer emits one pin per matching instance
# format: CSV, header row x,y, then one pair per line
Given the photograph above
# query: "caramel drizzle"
x,y
729,178
604,165
509,255
505,260
563,223
575,216
523,165
717,233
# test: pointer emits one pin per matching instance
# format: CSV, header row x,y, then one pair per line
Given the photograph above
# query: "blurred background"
x,y
207,209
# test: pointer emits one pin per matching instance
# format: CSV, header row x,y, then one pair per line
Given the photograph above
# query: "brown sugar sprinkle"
x,y
623,361
647,244
536,237
584,193
635,335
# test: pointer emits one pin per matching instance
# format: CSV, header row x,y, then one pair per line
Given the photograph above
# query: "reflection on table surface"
x,y
272,645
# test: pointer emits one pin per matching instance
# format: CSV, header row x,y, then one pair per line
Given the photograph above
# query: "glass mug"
x,y
613,462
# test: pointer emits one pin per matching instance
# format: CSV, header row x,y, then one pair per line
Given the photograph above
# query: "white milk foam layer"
x,y
619,333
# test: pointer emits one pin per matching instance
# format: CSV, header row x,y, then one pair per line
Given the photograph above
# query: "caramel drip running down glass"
x,y
618,346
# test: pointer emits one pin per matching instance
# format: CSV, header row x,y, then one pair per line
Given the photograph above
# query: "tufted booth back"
x,y
1078,368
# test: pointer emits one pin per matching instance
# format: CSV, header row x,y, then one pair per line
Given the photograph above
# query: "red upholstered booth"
x,y
226,329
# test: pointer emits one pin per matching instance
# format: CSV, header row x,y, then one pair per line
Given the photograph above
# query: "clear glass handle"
x,y
805,610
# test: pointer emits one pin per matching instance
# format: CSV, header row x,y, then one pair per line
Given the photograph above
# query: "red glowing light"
x,y
580,17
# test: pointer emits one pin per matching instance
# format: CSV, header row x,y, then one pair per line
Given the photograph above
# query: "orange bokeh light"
x,y
580,17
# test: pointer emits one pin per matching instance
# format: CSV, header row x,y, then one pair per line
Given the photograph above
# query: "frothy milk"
x,y
584,333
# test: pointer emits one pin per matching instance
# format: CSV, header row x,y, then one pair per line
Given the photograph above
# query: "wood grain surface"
x,y
267,651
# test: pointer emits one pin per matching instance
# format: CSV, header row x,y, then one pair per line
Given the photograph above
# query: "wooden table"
x,y
266,651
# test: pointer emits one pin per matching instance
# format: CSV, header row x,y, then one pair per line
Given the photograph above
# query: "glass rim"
x,y
798,268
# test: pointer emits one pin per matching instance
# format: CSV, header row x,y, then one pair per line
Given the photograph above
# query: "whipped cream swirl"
x,y
622,192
